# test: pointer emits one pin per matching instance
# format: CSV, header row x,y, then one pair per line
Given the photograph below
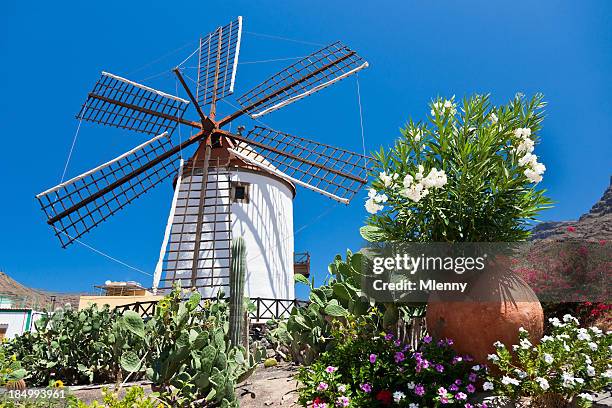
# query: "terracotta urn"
x,y
496,305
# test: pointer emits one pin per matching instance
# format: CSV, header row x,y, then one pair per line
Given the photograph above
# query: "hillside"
x,y
22,296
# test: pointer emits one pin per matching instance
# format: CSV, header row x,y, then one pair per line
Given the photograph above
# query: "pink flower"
x,y
571,229
372,358
419,390
331,369
389,336
442,391
322,386
366,387
342,401
458,381
318,403
397,343
460,396
399,357
470,388
439,368
453,388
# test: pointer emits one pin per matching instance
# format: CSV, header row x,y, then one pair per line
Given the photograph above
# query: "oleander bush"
x,y
565,367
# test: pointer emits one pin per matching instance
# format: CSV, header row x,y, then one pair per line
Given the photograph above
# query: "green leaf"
x,y
134,323
335,310
194,301
299,278
130,361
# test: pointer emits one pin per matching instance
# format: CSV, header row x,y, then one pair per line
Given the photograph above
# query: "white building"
x,y
240,199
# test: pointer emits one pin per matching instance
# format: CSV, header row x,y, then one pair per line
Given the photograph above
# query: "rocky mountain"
x,y
594,225
15,295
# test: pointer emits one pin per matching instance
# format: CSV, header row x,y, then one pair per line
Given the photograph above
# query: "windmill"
x,y
235,183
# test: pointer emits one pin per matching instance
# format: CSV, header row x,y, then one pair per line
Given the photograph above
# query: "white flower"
x,y
591,371
498,344
487,386
494,118
607,374
398,396
415,192
411,385
381,198
372,193
408,181
509,380
593,346
386,179
568,379
556,322
436,179
522,133
476,368
585,396
547,338
587,359
342,388
532,176
413,405
520,373
528,159
523,330
372,207
596,330
567,318
525,344
543,383
583,335
418,133
493,357
548,359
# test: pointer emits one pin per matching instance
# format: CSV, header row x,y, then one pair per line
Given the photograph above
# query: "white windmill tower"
x,y
235,184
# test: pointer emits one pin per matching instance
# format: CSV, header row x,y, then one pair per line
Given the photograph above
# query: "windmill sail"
x,y
331,171
197,253
118,102
307,76
218,62
83,202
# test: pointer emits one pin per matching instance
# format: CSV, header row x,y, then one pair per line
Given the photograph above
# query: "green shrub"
x,y
566,366
467,174
377,371
78,347
189,358
134,398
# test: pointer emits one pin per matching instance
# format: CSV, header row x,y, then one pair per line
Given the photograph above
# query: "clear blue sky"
x,y
52,53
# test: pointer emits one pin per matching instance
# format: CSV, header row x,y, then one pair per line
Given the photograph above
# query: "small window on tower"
x,y
240,192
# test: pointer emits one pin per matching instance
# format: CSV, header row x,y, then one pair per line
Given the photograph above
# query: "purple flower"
x,y
331,369
453,388
427,339
443,400
406,348
399,357
456,359
468,358
425,364
397,343
473,377
439,368
470,388
460,396
366,387
389,336
419,390
458,381
322,386
468,405
372,358
442,391
450,342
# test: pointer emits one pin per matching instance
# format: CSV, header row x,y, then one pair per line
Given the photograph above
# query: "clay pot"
x,y
497,304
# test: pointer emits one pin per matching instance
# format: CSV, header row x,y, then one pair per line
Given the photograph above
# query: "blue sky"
x,y
52,53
